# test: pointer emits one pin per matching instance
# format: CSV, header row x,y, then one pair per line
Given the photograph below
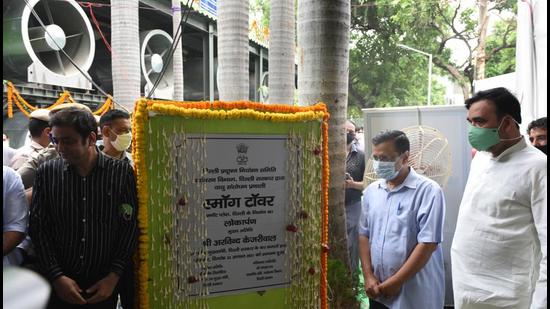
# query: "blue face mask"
x,y
385,170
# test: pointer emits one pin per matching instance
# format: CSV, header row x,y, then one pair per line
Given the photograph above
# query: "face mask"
x,y
122,142
385,170
350,137
484,138
542,148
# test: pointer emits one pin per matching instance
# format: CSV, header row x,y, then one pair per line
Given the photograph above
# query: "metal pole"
x,y
430,81
429,69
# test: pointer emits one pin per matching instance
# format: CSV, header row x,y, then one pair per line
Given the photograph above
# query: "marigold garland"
x,y
324,235
138,153
26,108
219,110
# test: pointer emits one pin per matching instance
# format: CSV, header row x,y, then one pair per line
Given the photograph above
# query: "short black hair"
x,y
81,120
399,138
37,126
539,123
111,116
506,103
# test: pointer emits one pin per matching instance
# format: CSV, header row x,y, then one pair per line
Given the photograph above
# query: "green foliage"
x,y
354,112
261,7
342,292
383,74
503,61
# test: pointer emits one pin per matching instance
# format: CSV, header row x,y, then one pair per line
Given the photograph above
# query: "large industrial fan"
x,y
33,53
154,54
430,155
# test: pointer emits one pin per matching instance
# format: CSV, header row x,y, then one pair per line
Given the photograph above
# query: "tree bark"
x,y
233,55
125,55
281,51
323,72
482,38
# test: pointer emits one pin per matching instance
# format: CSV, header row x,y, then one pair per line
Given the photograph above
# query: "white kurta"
x,y
499,248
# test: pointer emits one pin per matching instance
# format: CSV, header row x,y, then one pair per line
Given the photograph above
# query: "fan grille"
x,y
430,155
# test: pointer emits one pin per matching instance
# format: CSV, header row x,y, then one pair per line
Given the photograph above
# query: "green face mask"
x,y
483,138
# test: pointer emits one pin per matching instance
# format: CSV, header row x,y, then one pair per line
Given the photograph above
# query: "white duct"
x,y
154,55
33,54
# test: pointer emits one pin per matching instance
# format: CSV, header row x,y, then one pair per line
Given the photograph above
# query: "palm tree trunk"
x,y
233,55
125,57
281,51
323,71
177,59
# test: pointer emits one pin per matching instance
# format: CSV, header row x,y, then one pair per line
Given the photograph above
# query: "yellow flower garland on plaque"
x,y
26,108
219,110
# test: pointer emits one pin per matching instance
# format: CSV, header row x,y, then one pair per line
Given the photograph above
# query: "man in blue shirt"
x,y
401,230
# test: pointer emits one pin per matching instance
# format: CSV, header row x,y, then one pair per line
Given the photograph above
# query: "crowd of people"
x,y
70,207
499,251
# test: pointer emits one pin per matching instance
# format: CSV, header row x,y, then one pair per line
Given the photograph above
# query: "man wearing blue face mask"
x,y
499,248
401,230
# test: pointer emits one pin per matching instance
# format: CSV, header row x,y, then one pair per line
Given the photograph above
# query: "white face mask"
x,y
122,142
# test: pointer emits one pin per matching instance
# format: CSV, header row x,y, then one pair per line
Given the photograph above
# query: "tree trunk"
x,y
233,52
323,72
177,59
482,38
125,56
281,51
457,75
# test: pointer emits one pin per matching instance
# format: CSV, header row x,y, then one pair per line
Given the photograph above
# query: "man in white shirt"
x,y
15,217
7,150
39,128
499,250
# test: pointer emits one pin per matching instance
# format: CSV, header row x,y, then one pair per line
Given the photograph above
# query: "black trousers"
x,y
127,286
376,305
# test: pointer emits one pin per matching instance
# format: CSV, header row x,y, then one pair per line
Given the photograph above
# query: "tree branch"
x,y
457,34
455,73
494,51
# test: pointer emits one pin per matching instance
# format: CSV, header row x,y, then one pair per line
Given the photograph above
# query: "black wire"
x,y
68,57
175,42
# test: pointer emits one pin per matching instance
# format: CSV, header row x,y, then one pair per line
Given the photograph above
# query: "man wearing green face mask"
x,y
499,250
117,134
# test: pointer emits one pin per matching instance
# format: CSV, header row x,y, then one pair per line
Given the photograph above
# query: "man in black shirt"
x,y
83,215
355,168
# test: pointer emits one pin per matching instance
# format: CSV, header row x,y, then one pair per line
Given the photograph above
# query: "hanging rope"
x,y
15,97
